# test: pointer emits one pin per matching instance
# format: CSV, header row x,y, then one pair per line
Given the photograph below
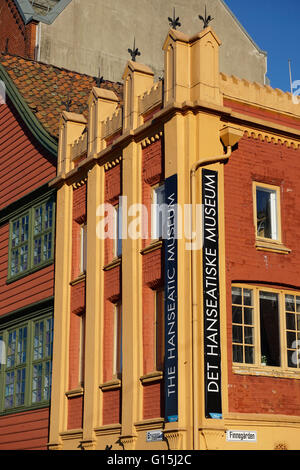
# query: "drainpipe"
x,y
229,136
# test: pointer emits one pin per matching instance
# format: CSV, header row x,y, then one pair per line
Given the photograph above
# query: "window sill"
x,y
115,262
266,371
78,279
152,247
78,392
29,271
111,385
152,377
273,246
25,408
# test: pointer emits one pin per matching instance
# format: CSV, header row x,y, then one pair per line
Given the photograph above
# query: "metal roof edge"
x,y
25,9
28,13
53,14
243,29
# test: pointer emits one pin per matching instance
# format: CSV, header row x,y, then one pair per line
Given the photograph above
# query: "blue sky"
x,y
275,27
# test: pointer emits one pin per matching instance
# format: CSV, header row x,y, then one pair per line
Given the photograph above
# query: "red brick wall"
x,y
77,304
22,39
79,218
264,162
112,407
152,174
152,280
112,294
153,400
75,412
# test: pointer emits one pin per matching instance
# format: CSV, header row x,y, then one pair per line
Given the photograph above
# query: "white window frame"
x,y
275,211
117,242
83,248
118,341
156,228
258,366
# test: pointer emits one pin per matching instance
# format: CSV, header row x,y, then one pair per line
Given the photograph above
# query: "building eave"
x,y
47,141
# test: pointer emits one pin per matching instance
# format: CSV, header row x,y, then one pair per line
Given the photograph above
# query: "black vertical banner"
x,y
171,352
211,296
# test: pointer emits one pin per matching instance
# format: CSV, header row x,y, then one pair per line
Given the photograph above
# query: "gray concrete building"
x,y
92,35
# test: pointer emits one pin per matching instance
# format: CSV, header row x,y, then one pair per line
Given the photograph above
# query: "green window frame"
x,y
31,239
25,377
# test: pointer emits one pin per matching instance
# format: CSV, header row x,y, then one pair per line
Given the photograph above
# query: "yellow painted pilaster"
x,y
94,309
58,414
178,145
131,302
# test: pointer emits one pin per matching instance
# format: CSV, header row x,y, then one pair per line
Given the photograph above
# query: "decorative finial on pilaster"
x,y
99,79
134,52
174,22
206,20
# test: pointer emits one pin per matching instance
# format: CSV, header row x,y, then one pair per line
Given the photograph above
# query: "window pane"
x,y
290,339
49,337
237,334
266,210
292,357
269,327
38,220
24,228
15,233
158,222
47,249
249,355
37,254
37,383
248,316
247,296
49,215
22,344
23,258
237,295
290,303
38,340
297,304
237,314
249,335
9,390
290,321
20,387
237,352
47,381
11,349
14,262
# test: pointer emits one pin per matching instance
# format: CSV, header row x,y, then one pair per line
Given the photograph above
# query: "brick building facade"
x,y
196,343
